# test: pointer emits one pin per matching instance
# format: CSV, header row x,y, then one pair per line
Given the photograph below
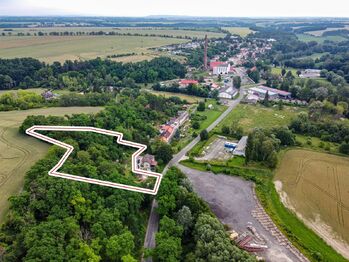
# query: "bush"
x,y
201,106
204,135
196,125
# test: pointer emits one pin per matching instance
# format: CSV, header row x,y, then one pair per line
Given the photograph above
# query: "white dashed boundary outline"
x,y
53,172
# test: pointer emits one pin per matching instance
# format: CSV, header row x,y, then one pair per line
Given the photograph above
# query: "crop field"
x,y
241,31
315,186
319,39
61,48
132,30
250,116
19,152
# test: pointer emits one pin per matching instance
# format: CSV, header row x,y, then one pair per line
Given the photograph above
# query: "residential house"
x,y
147,162
183,83
168,130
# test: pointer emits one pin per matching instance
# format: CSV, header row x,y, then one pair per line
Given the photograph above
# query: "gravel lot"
x,y
216,150
232,200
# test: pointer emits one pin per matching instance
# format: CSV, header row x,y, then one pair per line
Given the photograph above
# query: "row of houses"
x,y
168,130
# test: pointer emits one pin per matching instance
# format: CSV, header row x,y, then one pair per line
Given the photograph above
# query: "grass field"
x,y
36,91
315,185
250,116
19,152
211,116
61,48
189,98
277,71
319,39
241,31
132,30
320,32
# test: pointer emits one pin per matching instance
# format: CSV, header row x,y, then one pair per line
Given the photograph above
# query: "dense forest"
x,y
188,229
94,75
23,100
60,220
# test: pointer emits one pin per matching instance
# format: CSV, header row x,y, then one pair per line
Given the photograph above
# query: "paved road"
x,y
153,222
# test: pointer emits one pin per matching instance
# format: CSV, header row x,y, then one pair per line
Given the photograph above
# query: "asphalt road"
x,y
153,222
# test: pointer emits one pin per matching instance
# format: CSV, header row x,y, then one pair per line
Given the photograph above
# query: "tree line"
x,y
92,75
188,229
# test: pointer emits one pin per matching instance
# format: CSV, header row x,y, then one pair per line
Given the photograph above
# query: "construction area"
x,y
234,202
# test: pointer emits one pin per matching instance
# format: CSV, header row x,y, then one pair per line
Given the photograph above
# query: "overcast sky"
x,y
230,8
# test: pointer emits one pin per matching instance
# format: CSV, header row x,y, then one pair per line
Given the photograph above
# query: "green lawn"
x,y
277,71
211,116
258,116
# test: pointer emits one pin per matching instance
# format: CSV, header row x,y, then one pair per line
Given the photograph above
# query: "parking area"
x,y
234,202
216,150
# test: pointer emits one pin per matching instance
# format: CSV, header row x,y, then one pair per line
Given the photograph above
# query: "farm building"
x,y
281,93
251,99
273,93
227,92
257,91
241,147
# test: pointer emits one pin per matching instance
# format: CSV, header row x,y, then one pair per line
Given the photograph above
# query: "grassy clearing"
x,y
18,152
190,99
316,144
241,31
300,235
321,39
36,91
278,70
315,184
258,116
61,48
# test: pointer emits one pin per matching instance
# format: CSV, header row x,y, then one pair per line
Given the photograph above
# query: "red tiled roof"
x,y
188,81
216,63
